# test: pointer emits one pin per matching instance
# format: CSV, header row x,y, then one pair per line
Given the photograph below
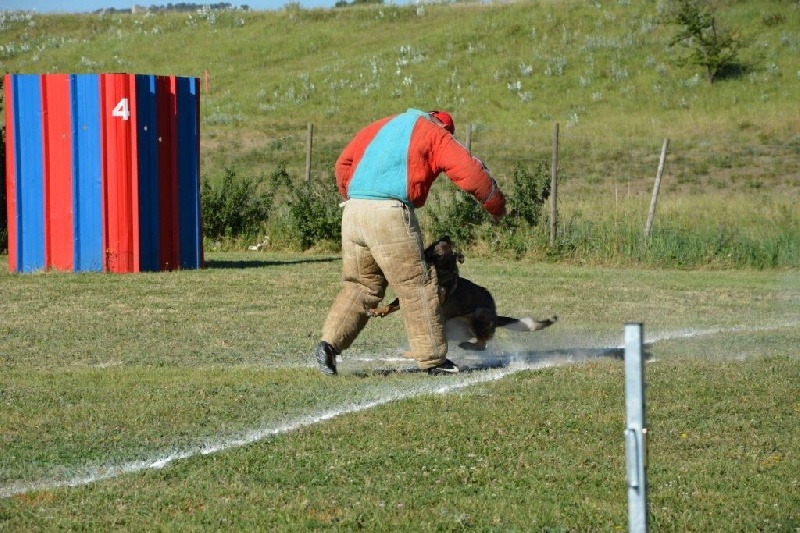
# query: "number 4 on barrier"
x,y
121,109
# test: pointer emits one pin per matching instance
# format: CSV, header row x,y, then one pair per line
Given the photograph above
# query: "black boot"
x,y
326,358
445,368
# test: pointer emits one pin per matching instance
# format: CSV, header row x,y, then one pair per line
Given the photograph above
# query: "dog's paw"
x,y
537,325
380,312
546,323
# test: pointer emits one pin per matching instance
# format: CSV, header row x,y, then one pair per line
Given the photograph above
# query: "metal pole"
x,y
636,431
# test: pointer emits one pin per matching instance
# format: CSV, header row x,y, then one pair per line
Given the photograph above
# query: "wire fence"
x,y
621,165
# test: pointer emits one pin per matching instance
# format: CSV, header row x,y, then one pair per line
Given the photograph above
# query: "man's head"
x,y
444,119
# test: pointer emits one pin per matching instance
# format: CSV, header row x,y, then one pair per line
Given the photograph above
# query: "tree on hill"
x,y
709,45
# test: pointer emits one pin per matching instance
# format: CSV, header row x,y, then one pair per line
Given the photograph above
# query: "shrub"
x,y
455,214
315,213
463,219
528,195
526,203
241,208
708,45
237,207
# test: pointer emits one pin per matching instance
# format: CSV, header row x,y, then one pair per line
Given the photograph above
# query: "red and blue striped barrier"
x,y
103,172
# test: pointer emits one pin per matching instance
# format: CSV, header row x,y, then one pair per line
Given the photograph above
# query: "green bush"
x,y
237,207
708,44
315,214
528,195
240,209
456,214
526,202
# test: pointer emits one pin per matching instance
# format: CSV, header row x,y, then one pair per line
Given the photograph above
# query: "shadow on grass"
x,y
732,71
254,263
531,358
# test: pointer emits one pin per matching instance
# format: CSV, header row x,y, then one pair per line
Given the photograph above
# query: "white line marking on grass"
x,y
688,334
439,385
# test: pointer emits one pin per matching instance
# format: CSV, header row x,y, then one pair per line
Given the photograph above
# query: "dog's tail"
x,y
525,324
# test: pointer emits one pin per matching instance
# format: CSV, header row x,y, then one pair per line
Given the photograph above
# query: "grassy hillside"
x,y
602,70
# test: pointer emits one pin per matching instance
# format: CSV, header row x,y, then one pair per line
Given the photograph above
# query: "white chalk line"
x,y
687,334
443,385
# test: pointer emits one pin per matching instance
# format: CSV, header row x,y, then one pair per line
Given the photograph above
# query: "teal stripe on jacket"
x,y
383,170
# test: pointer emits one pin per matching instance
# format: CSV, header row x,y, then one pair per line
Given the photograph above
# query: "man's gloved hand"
x,y
496,205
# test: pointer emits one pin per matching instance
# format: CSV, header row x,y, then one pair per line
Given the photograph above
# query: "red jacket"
x,y
400,157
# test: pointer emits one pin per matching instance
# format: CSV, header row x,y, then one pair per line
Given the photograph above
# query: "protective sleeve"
x,y
469,174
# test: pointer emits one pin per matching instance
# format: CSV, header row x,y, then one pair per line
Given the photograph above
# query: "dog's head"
x,y
444,258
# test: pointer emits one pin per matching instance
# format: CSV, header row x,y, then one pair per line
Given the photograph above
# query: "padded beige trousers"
x,y
382,245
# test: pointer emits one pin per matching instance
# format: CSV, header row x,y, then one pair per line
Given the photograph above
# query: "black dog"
x,y
465,303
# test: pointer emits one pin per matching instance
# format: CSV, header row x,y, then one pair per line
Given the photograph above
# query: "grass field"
x,y
188,400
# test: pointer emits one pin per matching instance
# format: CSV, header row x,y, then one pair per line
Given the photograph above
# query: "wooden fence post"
x,y
649,225
309,142
554,188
